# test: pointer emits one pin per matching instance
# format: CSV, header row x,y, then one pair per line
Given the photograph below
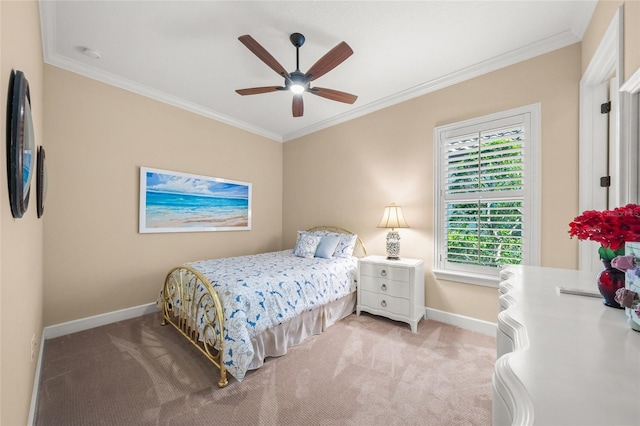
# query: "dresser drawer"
x,y
384,271
385,286
384,302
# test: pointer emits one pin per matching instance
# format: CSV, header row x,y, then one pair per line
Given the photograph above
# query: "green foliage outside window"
x,y
482,229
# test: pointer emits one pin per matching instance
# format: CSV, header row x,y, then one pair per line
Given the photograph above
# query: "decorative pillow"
x,y
346,245
327,246
306,245
298,239
301,233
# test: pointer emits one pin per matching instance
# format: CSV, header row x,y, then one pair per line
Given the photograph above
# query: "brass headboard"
x,y
359,250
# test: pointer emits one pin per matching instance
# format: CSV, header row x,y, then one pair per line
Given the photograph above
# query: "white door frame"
x,y
607,61
629,132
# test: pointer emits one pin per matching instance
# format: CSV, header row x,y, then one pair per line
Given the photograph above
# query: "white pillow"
x,y
306,245
346,245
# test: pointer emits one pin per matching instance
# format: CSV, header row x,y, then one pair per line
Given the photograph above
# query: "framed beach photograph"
x,y
182,202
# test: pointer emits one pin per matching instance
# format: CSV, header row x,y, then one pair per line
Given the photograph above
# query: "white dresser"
x,y
392,288
562,359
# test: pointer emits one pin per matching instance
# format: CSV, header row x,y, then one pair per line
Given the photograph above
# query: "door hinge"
x,y
605,181
605,108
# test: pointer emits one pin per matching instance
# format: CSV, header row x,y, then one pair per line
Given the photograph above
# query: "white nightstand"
x,y
392,288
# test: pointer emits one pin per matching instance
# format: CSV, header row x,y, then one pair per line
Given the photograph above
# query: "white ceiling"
x,y
187,53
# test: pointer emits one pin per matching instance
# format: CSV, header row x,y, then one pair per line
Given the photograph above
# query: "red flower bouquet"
x,y
610,228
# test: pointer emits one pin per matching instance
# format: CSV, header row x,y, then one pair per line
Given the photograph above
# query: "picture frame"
x,y
41,181
173,201
20,143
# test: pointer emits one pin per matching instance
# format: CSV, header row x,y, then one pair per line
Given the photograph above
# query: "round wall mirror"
x,y
20,143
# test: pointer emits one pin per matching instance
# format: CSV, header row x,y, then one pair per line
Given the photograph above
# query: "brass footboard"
x,y
192,306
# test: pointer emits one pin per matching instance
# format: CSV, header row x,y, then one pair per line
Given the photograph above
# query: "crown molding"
x,y
48,24
547,45
135,87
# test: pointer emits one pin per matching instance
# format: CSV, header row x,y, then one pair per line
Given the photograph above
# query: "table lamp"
x,y
393,218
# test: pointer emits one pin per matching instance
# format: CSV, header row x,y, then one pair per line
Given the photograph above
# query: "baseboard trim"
x,y
57,330
36,385
82,324
468,323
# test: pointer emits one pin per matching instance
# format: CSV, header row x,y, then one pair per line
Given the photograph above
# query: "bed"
x,y
238,311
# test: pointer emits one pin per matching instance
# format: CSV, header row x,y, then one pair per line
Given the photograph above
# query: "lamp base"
x,y
393,245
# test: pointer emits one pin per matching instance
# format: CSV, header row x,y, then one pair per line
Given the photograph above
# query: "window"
x,y
487,199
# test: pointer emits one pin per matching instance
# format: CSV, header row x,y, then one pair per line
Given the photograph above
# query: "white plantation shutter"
x,y
486,178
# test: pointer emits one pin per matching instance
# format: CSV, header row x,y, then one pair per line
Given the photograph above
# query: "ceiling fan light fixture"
x,y
298,83
297,88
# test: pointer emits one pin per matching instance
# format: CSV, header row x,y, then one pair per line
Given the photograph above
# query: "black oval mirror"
x,y
20,143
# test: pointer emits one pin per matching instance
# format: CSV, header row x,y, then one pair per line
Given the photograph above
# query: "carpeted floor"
x,y
364,370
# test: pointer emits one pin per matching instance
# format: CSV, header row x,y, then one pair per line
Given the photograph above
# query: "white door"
x,y
601,167
600,134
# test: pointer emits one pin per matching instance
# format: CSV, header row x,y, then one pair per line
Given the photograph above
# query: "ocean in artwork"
x,y
185,202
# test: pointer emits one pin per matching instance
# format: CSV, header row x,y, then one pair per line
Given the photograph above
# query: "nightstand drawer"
x,y
385,302
385,286
384,271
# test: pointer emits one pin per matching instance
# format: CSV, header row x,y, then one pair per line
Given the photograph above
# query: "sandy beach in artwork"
x,y
202,222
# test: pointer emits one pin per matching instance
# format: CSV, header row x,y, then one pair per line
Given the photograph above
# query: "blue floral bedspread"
x,y
261,291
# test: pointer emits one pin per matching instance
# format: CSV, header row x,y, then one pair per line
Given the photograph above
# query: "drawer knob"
x,y
383,303
383,287
383,273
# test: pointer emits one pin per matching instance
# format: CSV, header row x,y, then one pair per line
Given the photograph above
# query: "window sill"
x,y
476,279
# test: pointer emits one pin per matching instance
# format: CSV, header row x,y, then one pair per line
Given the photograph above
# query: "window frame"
x,y
531,190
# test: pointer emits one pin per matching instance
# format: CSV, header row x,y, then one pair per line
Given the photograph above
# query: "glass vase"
x,y
609,281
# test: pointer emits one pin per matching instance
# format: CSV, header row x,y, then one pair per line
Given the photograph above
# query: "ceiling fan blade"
x,y
298,106
262,54
334,95
329,61
258,90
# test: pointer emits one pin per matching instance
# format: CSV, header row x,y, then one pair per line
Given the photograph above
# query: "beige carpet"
x,y
364,370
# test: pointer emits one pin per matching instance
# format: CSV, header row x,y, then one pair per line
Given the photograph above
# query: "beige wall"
x,y
97,138
21,249
602,16
345,175
631,38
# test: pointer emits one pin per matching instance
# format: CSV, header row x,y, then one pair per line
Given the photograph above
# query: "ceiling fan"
x,y
297,81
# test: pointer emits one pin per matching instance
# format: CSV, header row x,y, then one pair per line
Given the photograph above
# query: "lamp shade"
x,y
393,218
